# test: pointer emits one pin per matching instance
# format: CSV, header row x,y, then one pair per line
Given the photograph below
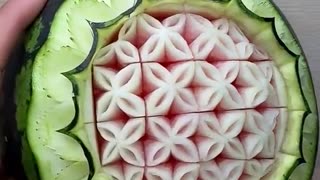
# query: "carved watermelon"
x,y
165,89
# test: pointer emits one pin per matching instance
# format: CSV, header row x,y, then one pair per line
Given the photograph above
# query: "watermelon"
x,y
166,89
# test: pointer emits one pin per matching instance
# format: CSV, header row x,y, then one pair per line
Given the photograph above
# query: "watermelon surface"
x,y
167,89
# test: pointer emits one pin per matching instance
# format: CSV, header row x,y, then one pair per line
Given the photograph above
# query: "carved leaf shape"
x,y
128,32
183,74
210,170
253,145
106,107
110,153
133,154
132,131
153,50
159,128
208,97
209,126
103,78
159,173
133,172
222,25
209,148
176,48
202,46
232,169
159,101
175,23
156,152
236,33
229,70
184,101
185,125
184,150
206,74
185,171
156,75
131,104
232,123
129,78
234,149
196,25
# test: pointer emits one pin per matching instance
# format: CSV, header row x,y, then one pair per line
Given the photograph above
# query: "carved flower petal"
x,y
232,122
128,32
253,144
202,46
184,171
232,169
132,131
184,150
224,49
208,97
110,153
254,96
131,104
209,126
210,170
258,168
229,70
232,99
159,128
153,50
206,74
105,55
269,146
250,75
103,78
115,171
133,154
245,50
110,131
162,172
156,152
236,33
106,107
255,122
147,26
126,52
196,25
133,172
175,23
156,75
159,101
184,101
129,78
183,73
234,149
176,48
222,25
185,125
259,55
209,148
270,116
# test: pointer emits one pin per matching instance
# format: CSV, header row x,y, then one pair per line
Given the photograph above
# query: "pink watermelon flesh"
x,y
185,97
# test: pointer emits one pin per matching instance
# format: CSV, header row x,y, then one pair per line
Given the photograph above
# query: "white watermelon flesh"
x,y
186,97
